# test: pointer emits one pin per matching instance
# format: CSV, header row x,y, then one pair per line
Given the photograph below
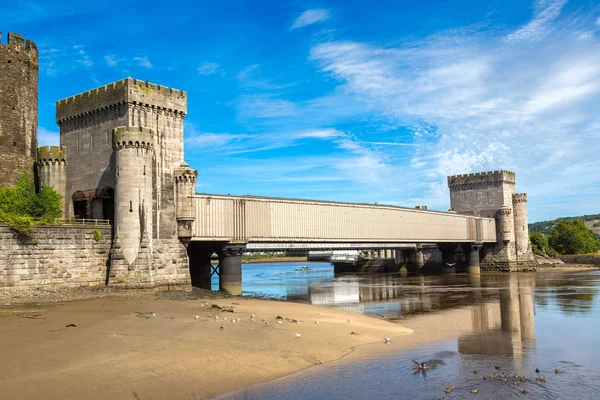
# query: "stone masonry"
x,y
18,107
64,255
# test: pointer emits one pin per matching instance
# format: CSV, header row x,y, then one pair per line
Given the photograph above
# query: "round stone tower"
x,y
185,185
521,227
51,168
18,107
133,147
504,224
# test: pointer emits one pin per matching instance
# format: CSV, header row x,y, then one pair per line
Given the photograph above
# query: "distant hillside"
x,y
591,221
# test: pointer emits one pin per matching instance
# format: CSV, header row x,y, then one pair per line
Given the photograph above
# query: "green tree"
x,y
573,237
539,243
21,206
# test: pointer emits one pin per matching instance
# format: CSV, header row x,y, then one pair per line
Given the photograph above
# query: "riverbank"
x,y
152,346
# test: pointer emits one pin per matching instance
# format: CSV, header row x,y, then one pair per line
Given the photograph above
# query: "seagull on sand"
x,y
196,317
387,339
349,321
279,321
298,335
316,322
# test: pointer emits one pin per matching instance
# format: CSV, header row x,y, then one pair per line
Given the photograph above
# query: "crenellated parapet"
x,y
186,175
51,155
21,49
519,198
131,92
474,179
125,137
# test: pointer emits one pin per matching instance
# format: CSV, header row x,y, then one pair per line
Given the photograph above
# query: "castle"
x,y
121,158
492,195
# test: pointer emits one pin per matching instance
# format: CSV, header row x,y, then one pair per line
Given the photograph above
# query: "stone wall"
x,y
592,259
54,256
481,194
18,107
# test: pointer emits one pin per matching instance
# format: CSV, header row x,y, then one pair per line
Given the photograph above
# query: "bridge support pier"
x,y
448,258
473,267
230,269
201,268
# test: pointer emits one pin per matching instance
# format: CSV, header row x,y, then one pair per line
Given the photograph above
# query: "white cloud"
x,y
143,62
310,17
206,140
112,60
475,102
320,134
265,106
545,12
82,56
208,68
47,137
248,71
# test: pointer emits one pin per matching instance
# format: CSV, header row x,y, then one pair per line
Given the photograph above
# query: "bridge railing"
x,y
82,221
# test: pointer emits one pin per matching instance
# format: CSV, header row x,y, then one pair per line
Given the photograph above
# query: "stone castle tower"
x,y
125,163
492,195
18,107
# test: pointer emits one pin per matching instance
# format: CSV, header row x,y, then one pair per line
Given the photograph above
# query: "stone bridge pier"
x,y
228,268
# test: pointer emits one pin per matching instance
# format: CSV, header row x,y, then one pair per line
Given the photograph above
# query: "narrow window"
x,y
144,169
106,138
77,144
131,206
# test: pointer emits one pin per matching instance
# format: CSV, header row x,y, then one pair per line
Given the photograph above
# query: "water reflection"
x,y
506,327
519,321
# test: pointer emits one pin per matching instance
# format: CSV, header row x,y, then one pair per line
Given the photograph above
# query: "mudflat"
x,y
137,348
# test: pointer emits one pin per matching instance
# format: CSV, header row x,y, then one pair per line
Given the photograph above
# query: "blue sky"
x,y
349,100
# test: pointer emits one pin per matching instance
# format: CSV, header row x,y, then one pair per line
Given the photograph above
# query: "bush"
x,y
539,243
96,235
21,207
573,237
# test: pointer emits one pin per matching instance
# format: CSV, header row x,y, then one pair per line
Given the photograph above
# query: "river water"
x,y
517,322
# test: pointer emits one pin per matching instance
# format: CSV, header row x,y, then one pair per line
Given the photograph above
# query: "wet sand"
x,y
118,350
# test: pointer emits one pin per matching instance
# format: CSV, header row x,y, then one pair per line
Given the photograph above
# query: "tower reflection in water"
x,y
506,327
501,307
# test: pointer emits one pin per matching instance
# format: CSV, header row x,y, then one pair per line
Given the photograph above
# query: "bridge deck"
x,y
246,219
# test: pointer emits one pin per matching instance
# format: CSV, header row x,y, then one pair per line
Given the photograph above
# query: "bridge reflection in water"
x,y
501,306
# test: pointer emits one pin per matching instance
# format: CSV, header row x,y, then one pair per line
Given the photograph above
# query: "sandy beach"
x,y
120,350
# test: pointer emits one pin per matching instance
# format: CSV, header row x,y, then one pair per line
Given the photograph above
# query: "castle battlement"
x,y
126,91
500,176
520,198
18,44
51,154
184,174
132,137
